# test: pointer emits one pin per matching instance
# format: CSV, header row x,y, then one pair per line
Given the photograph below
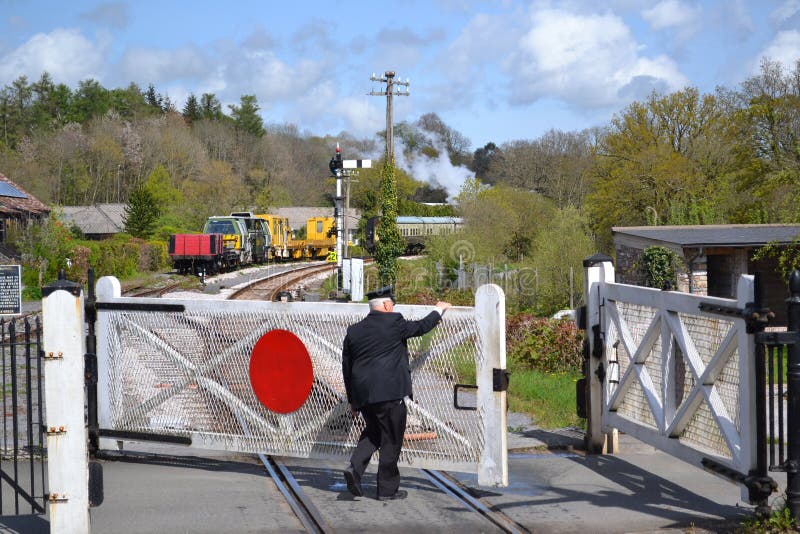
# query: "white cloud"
x,y
786,11
145,65
671,14
65,53
587,61
785,48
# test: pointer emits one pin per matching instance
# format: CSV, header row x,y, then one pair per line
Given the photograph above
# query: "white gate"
x,y
669,373
184,373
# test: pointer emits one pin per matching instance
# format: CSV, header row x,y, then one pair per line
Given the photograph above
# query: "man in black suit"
x,y
377,377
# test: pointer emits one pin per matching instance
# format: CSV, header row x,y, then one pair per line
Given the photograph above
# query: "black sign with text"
x,y
10,290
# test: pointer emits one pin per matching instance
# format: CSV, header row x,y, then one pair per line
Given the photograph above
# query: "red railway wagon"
x,y
196,253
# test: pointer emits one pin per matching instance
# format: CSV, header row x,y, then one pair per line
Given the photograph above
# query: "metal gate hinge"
x,y
54,355
755,318
57,497
500,379
56,431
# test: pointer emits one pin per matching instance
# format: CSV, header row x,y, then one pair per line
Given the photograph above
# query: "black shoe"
x,y
353,482
396,496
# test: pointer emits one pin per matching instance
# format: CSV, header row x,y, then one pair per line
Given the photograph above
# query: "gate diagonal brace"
x,y
756,319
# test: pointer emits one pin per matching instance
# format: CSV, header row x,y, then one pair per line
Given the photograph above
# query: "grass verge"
x,y
547,398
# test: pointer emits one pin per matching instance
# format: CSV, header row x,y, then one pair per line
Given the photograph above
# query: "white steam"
x,y
438,171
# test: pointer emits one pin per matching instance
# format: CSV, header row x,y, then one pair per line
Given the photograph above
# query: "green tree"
x,y
670,150
210,108
246,117
141,213
90,100
153,99
390,243
191,110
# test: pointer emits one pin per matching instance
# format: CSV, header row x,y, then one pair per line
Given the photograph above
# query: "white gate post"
x,y
490,314
67,437
597,270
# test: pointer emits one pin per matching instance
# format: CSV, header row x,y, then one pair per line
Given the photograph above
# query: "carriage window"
x,y
319,227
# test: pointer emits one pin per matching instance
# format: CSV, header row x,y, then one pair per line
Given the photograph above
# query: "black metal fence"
x,y
778,361
22,467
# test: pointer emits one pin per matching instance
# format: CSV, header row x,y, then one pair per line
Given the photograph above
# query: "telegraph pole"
x,y
388,79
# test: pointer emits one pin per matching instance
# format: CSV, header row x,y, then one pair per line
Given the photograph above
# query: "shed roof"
x,y
718,235
95,219
14,200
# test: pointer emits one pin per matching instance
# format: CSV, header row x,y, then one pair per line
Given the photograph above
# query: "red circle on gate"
x,y
281,373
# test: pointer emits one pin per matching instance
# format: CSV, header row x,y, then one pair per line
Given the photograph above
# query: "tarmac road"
x,y
550,491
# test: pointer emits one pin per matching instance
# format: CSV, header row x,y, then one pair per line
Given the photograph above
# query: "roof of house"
x,y
718,235
299,216
14,200
96,219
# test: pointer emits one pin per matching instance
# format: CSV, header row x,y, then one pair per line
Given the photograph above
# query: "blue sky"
x,y
493,70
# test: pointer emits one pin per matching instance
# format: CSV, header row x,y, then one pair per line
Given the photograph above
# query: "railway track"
x,y
271,287
453,494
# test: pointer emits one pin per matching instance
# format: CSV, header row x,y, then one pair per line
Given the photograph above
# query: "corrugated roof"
x,y
96,219
715,234
16,205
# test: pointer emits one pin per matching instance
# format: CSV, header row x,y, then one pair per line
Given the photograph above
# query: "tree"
x,y
390,243
767,115
246,117
210,108
141,213
191,110
153,99
659,155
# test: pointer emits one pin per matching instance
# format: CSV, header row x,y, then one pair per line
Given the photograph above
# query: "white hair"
x,y
377,303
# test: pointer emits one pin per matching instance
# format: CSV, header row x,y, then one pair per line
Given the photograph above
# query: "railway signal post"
x,y
342,169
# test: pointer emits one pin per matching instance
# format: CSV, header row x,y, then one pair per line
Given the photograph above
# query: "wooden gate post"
x,y
598,268
67,449
490,314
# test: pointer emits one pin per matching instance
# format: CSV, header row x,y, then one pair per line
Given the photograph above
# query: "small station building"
x,y
713,257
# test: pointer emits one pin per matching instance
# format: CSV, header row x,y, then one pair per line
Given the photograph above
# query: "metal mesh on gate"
x,y
707,336
186,374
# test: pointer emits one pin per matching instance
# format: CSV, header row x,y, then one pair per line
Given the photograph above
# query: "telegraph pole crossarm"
x,y
388,79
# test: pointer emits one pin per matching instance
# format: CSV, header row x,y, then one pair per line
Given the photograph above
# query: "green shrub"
x,y
660,266
546,345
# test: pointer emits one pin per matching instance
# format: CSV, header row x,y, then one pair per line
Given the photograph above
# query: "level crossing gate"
x,y
178,370
676,371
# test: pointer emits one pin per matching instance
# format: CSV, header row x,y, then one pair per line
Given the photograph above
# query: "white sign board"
x,y
356,279
346,276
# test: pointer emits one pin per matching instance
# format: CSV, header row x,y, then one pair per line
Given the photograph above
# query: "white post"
x,y
67,436
598,270
745,293
490,314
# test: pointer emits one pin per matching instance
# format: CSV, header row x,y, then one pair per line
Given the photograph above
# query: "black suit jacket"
x,y
375,356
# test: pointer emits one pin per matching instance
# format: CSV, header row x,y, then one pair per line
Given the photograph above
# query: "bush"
x,y
546,345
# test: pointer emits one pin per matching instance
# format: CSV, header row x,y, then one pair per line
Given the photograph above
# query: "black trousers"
x,y
386,424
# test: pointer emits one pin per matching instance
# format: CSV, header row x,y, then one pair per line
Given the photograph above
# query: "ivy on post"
x,y
390,243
